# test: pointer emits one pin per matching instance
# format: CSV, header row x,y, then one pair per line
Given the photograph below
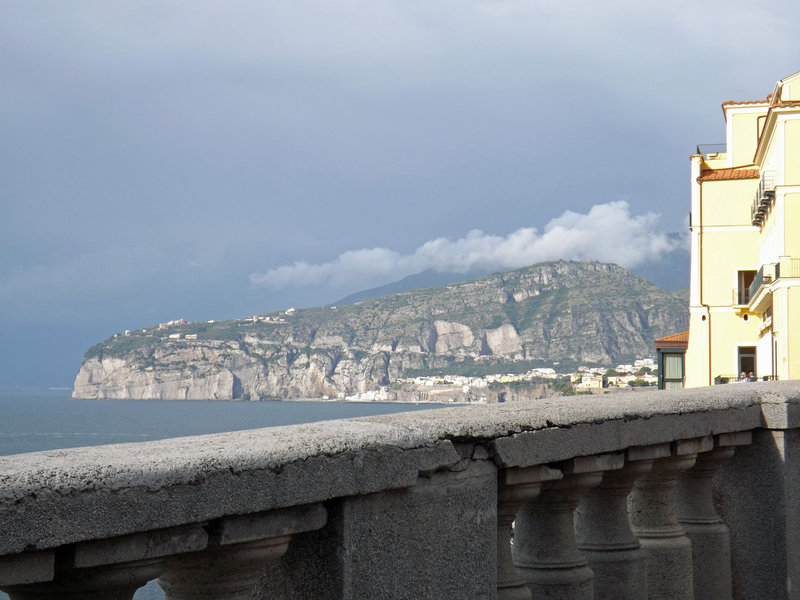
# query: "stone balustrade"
x,y
688,494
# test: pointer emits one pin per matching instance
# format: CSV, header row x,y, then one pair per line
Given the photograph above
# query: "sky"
x,y
209,160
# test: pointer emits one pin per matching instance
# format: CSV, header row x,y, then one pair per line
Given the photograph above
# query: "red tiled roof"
x,y
737,102
727,174
676,340
683,336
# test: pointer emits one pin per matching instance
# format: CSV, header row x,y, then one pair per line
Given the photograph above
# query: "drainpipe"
x,y
700,277
772,345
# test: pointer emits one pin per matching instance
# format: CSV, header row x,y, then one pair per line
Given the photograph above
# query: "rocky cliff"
x,y
558,311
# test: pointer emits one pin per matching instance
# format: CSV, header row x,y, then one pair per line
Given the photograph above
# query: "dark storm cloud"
x,y
156,154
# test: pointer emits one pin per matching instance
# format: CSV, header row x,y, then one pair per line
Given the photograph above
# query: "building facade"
x,y
671,363
745,232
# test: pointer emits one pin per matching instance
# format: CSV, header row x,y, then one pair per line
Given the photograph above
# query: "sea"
x,y
32,420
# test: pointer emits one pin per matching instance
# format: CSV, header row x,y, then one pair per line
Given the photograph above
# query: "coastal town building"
x,y
590,382
745,233
671,351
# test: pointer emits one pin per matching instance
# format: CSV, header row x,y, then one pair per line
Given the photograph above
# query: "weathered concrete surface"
x,y
611,424
204,477
400,544
762,515
50,499
27,568
410,543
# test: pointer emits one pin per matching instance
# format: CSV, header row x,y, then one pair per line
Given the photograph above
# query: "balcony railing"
x,y
723,379
788,268
708,149
663,495
760,279
764,198
741,296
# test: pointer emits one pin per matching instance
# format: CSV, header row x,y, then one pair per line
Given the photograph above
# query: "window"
x,y
747,360
672,368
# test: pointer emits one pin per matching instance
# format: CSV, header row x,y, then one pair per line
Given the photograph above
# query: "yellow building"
x,y
744,300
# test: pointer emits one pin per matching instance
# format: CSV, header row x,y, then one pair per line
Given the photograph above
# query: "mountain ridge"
x,y
423,279
547,312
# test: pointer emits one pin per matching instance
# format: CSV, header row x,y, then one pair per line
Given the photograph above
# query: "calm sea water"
x,y
34,420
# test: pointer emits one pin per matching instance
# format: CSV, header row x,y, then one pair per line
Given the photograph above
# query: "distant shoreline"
x,y
300,400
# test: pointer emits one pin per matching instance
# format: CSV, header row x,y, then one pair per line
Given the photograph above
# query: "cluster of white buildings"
x,y
274,318
379,395
640,373
169,324
584,379
266,319
481,382
177,336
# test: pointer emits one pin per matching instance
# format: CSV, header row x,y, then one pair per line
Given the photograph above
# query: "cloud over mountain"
x,y
607,232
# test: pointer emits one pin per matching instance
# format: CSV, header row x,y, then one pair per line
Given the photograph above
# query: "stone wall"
x,y
626,496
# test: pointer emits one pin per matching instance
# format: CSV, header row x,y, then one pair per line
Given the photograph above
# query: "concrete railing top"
x,y
48,499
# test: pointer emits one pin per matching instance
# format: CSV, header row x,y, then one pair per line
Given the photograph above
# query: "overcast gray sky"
x,y
217,160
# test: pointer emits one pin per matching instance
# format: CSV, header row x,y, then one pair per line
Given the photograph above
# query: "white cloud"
x,y
608,232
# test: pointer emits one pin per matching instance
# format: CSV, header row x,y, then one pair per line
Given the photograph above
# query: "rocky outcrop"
x,y
203,370
452,337
503,341
577,311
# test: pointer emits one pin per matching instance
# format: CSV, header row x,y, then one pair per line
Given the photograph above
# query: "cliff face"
x,y
580,311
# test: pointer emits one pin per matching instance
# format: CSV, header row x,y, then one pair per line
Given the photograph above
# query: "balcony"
x,y
758,293
758,281
686,494
748,284
788,267
764,198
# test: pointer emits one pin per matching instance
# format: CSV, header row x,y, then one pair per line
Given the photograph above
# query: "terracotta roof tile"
x,y
727,174
786,104
683,336
676,340
737,102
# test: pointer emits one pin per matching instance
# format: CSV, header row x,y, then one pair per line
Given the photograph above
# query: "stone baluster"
x,y
27,567
237,555
655,522
604,533
545,549
516,486
112,582
110,569
711,546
